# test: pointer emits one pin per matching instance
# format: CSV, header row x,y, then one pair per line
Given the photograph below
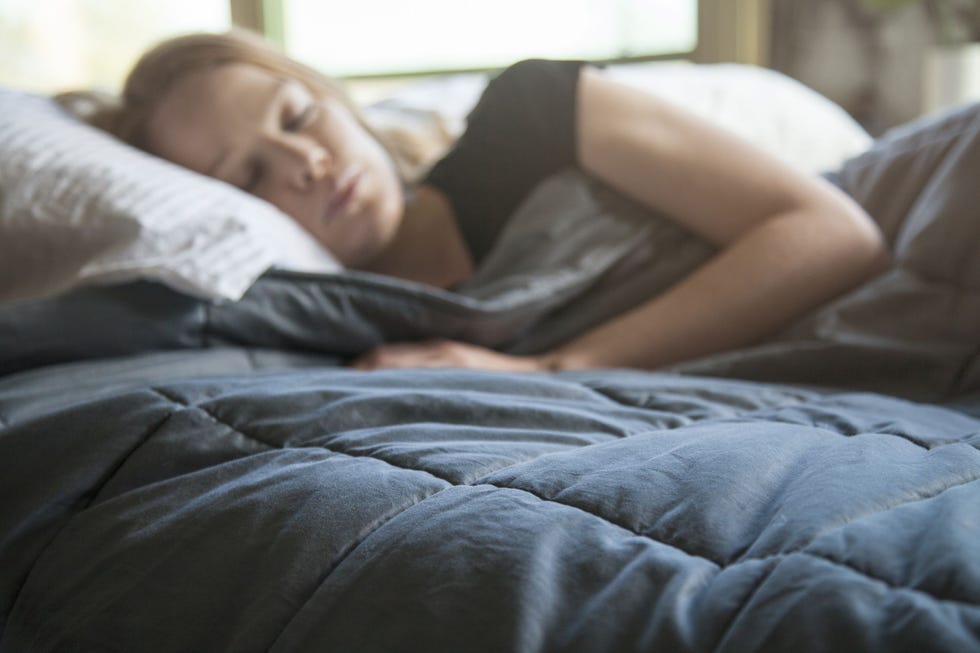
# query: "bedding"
x,y
253,498
178,474
79,208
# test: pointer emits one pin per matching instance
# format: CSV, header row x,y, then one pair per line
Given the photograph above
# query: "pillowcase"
x,y
78,207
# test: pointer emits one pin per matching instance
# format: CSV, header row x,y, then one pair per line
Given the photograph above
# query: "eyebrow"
x,y
281,83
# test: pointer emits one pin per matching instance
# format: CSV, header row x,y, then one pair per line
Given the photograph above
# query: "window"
x,y
49,45
373,37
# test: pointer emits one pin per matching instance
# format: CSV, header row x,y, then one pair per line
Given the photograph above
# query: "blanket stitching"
x,y
382,522
607,520
739,412
125,459
179,402
97,489
742,607
726,630
439,478
725,564
901,436
836,563
892,587
909,438
478,481
382,460
830,401
719,564
218,420
344,555
801,549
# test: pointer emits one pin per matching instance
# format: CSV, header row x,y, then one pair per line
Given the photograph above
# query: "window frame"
x,y
728,31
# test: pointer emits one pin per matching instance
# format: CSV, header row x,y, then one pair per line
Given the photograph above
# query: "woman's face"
x,y
272,137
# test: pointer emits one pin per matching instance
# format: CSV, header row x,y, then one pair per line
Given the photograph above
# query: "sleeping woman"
x,y
235,108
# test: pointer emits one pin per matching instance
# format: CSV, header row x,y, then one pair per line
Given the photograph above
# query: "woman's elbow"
x,y
861,242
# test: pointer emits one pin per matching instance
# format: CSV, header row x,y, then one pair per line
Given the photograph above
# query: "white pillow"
x,y
776,112
79,207
773,111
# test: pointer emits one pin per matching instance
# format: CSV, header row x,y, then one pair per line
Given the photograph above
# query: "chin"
x,y
372,235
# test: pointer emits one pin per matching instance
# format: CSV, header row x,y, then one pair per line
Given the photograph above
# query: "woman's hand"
x,y
446,353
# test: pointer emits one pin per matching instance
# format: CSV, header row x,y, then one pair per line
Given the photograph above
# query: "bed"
x,y
185,473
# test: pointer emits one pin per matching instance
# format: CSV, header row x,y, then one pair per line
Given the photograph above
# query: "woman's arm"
x,y
789,242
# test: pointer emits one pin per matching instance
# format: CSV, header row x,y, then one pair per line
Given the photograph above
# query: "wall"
x,y
870,62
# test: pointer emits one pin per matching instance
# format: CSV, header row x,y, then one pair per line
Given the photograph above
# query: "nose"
x,y
314,166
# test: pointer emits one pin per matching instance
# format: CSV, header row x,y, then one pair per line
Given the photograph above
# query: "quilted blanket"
x,y
246,500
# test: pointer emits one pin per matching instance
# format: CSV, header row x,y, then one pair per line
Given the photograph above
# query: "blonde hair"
x,y
155,73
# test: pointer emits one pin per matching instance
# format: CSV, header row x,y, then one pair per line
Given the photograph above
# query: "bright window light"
x,y
395,36
49,45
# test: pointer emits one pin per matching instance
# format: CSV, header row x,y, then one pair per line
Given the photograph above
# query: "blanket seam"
x,y
254,438
901,436
183,404
606,520
779,558
344,555
891,587
740,412
909,438
151,432
828,401
445,480
391,517
722,564
856,519
97,489
742,607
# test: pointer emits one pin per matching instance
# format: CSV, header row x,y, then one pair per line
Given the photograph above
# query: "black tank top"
x,y
521,131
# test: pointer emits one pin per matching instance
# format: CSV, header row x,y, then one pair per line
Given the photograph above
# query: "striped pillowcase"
x,y
78,207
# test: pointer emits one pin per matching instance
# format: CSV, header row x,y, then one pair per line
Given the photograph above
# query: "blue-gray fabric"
x,y
240,500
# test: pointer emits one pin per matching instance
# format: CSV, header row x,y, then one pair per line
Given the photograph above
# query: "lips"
x,y
345,190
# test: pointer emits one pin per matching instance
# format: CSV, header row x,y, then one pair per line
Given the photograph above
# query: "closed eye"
x,y
303,119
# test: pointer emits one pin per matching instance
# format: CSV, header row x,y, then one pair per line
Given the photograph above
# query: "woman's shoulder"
x,y
538,95
537,76
521,131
